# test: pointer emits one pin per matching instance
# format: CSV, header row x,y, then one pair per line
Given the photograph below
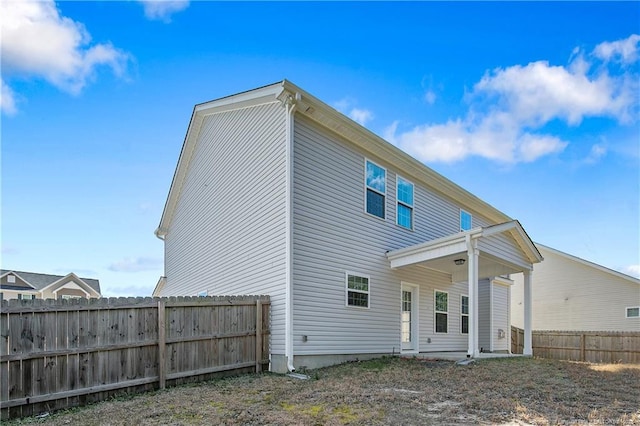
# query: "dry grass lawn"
x,y
514,391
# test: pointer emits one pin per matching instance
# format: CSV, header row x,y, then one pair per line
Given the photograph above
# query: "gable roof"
x,y
41,281
320,112
588,263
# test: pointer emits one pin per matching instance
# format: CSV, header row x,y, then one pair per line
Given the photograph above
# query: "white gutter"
x,y
290,105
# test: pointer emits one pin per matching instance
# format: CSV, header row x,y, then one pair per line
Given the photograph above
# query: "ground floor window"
x,y
633,312
441,302
464,315
357,291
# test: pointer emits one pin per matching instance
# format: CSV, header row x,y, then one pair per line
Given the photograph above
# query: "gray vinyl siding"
x,y
484,314
332,234
504,247
572,295
227,235
500,316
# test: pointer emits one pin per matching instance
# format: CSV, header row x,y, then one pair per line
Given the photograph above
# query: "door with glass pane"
x,y
409,318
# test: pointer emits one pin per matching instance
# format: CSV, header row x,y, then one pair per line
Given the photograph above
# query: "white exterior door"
x,y
409,317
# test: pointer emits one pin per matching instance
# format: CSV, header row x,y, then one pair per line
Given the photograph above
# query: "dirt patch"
x,y
513,391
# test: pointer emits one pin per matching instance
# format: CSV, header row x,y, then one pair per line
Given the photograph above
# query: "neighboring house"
x,y
363,249
574,294
30,285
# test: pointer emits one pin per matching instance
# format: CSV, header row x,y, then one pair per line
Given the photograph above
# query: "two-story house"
x,y
364,250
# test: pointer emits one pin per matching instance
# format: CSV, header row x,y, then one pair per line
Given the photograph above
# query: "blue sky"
x,y
533,107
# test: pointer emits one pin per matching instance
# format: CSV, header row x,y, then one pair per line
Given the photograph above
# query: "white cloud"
x,y
626,50
509,107
596,153
430,97
359,115
39,42
161,10
7,99
632,270
136,264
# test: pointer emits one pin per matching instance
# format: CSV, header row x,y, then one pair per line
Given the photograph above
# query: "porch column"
x,y
472,256
528,349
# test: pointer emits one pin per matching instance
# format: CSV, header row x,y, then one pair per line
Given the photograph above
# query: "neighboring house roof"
x,y
327,116
588,263
42,281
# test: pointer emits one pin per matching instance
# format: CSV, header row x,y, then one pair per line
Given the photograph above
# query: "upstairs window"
x,y
442,311
376,183
357,291
633,312
404,213
465,220
464,315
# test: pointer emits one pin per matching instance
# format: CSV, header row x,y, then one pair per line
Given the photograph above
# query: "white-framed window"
x,y
203,293
26,296
465,220
464,314
633,312
69,297
11,279
357,290
441,309
404,208
375,189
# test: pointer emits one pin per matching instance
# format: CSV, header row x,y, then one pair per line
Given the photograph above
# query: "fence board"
x,y
587,346
58,353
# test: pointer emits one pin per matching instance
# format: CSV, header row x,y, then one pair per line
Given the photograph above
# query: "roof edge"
x,y
591,264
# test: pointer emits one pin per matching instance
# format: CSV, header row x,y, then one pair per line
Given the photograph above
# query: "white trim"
x,y
506,282
347,289
367,187
460,220
626,311
410,206
464,315
491,312
435,327
415,316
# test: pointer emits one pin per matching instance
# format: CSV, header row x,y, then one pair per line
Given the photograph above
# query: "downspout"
x,y
290,105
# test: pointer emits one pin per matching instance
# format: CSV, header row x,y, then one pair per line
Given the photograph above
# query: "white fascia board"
x,y
502,281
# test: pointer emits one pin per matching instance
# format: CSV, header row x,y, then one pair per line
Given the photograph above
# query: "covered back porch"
x,y
470,256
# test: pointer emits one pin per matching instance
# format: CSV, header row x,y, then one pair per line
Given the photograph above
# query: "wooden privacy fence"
x,y
589,346
56,354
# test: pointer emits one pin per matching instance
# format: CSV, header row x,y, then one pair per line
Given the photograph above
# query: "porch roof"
x,y
440,254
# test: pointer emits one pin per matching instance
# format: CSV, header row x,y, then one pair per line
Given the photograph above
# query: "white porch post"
x,y
472,256
528,349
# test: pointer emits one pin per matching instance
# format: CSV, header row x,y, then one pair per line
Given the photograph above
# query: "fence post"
x,y
258,336
582,347
162,364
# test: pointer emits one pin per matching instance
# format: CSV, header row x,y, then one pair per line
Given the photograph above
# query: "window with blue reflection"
x,y
376,182
465,220
404,211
